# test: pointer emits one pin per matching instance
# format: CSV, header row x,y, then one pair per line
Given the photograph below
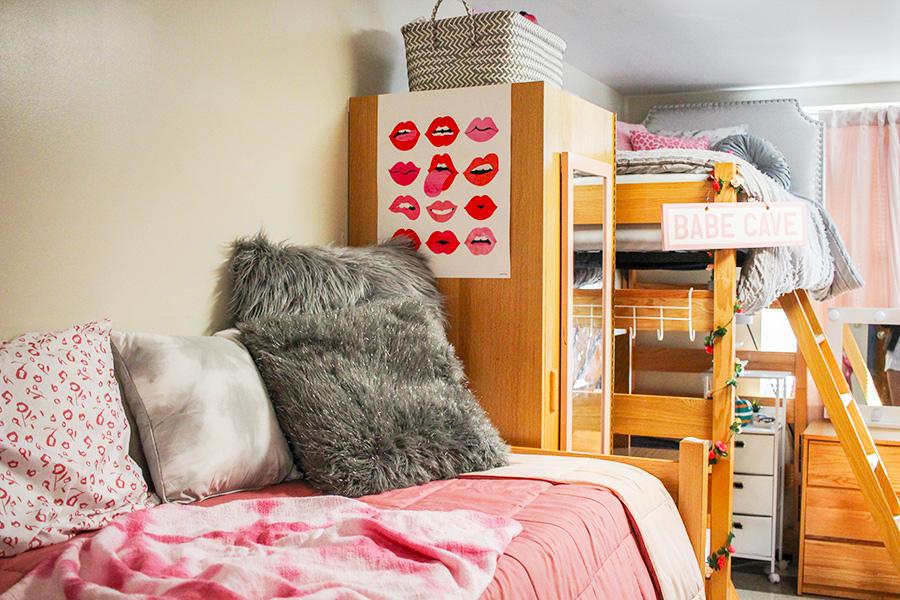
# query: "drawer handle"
x,y
738,485
737,525
739,444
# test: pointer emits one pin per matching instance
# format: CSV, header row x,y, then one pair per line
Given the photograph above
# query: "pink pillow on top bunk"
x,y
644,140
623,134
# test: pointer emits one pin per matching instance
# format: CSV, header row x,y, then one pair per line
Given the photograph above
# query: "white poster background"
x,y
463,105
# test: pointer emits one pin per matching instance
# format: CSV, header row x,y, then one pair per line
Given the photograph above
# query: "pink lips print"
x,y
481,241
441,210
481,129
404,173
405,205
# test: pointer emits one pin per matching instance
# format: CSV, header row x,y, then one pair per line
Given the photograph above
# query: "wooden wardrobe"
x,y
511,334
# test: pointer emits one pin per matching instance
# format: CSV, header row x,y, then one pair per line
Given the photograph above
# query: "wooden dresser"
x,y
840,551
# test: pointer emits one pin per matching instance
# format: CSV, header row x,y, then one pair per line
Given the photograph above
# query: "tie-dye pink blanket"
x,y
318,547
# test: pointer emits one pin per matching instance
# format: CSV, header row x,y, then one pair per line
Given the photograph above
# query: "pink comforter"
x,y
578,539
316,547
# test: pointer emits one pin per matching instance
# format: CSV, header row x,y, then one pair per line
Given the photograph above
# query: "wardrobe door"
x,y
587,279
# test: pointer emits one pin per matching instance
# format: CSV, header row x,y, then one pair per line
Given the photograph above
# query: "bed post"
x,y
722,480
693,494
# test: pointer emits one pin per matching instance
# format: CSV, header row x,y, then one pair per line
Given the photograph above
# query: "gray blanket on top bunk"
x,y
823,266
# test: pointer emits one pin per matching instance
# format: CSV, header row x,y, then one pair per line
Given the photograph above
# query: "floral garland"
x,y
716,561
720,447
718,184
719,332
719,450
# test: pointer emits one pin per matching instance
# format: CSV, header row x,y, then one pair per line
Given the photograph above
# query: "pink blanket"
x,y
318,547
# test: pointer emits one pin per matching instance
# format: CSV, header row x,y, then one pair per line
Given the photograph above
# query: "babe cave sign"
x,y
443,177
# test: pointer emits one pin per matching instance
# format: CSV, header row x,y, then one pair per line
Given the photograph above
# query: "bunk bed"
x,y
640,193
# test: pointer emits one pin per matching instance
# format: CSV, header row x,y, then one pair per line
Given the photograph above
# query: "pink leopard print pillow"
x,y
644,140
64,464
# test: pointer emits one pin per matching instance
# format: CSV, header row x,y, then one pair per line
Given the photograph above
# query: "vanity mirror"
x,y
866,342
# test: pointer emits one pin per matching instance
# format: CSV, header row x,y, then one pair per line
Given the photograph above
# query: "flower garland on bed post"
x,y
727,185
716,560
720,447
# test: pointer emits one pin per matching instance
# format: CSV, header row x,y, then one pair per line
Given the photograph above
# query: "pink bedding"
x,y
323,547
577,540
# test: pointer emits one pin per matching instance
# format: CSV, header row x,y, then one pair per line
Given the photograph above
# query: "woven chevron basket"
x,y
480,49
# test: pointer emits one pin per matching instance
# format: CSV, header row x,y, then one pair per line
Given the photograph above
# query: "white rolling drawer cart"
x,y
758,494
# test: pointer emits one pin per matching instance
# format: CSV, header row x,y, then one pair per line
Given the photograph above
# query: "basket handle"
x,y
434,11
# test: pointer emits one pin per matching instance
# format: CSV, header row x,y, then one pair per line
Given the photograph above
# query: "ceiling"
x,y
658,46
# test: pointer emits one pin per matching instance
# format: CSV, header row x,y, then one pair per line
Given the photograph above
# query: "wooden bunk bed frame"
x,y
654,416
669,416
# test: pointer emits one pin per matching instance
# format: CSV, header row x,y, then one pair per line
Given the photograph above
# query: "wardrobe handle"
x,y
554,391
739,444
738,485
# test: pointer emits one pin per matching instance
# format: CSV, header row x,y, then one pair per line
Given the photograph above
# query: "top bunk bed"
x,y
645,180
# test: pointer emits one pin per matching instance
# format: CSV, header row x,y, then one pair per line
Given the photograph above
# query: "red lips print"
x,y
404,173
442,131
480,207
441,210
482,169
441,174
404,135
481,241
410,235
442,242
405,205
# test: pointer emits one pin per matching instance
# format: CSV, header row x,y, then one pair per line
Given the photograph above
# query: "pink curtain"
x,y
862,194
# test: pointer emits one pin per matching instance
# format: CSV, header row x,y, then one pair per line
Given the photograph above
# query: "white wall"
x,y
137,139
581,84
636,107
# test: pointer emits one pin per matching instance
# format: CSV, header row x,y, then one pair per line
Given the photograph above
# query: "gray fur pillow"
x,y
277,280
372,398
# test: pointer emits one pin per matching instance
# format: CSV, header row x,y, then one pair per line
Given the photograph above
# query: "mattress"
x,y
577,540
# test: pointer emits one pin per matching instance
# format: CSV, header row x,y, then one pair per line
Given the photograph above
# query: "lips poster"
x,y
444,177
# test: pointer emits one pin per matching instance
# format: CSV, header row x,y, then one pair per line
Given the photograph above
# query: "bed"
x,y
592,528
645,180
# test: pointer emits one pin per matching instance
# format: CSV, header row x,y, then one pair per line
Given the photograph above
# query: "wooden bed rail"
x,y
694,360
662,416
637,204
686,480
681,310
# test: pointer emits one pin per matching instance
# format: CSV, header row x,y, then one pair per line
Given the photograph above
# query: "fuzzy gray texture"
x,y
269,279
372,398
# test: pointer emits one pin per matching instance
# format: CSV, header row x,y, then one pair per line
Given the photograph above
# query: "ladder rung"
x,y
847,398
873,460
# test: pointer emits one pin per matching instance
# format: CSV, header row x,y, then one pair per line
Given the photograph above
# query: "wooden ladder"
x,y
848,423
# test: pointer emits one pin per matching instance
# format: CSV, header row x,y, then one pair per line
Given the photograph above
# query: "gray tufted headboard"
x,y
781,121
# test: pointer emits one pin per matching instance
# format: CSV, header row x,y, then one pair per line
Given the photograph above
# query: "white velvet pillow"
x,y
205,421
